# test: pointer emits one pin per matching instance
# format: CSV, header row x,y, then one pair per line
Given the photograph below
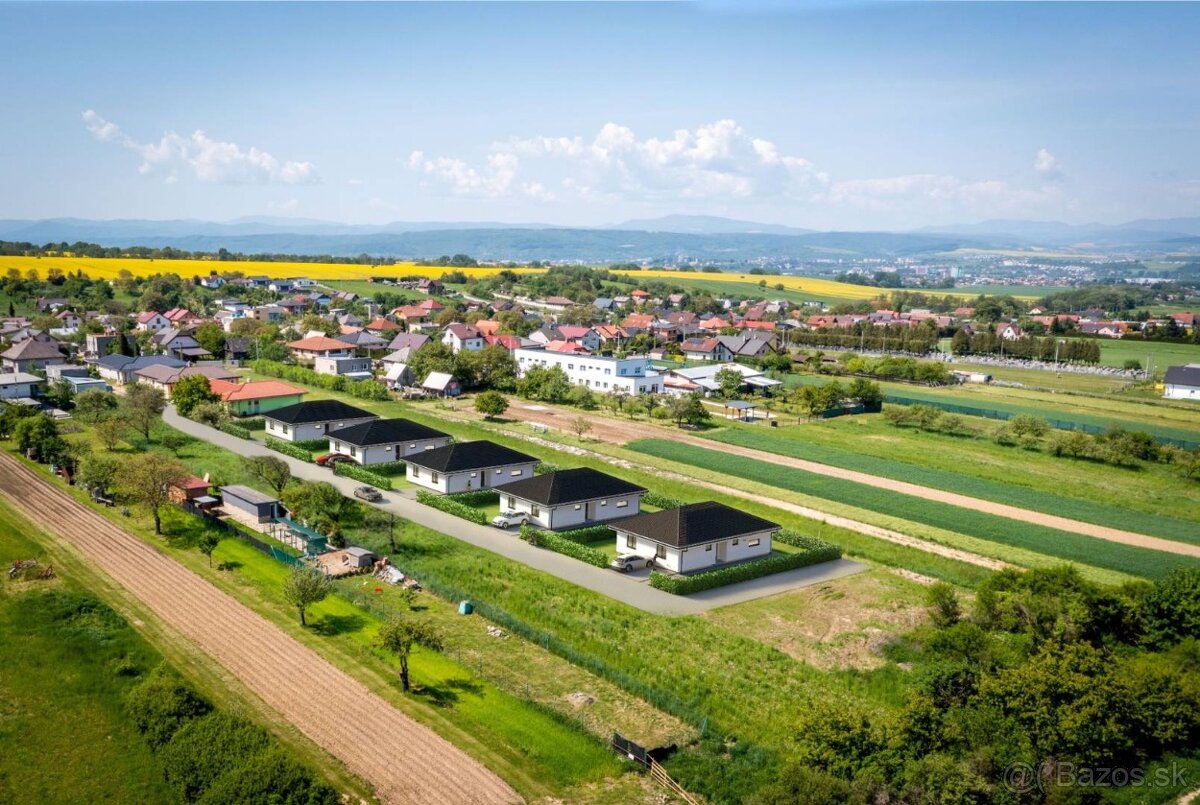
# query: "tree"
x,y
729,382
147,479
547,384
864,391
98,471
690,409
305,586
1023,425
174,442
400,634
208,543
211,336
321,505
61,394
211,414
491,404
39,434
192,391
942,604
580,425
110,430
142,407
91,406
271,470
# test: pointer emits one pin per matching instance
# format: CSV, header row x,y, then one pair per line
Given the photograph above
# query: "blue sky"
x,y
850,116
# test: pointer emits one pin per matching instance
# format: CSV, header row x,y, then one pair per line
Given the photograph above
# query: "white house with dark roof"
x,y
1182,382
696,537
382,440
573,498
314,419
18,384
468,466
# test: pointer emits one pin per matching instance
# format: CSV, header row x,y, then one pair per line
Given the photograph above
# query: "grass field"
x,y
955,478
1051,542
1157,355
1017,291
63,728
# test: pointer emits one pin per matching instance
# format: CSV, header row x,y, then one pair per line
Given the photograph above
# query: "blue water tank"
x,y
465,607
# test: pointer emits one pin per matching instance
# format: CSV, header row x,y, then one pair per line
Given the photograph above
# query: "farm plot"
x,y
1061,544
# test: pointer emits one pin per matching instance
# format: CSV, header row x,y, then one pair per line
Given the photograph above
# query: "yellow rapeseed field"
x,y
810,285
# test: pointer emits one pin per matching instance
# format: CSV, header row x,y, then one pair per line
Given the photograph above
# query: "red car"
x,y
329,459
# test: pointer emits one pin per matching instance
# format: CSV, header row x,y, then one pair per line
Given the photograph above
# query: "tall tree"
x,y
146,479
400,634
305,586
142,407
190,392
91,406
271,470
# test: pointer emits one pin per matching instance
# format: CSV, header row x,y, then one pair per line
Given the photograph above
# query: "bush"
x,y
362,389
685,585
253,423
479,497
451,506
205,748
660,501
585,535
234,429
271,776
554,542
288,449
390,468
352,470
161,704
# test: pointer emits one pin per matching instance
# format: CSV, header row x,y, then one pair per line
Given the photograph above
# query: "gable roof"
x,y
1188,375
462,456
319,343
385,431
569,486
694,524
317,411
32,349
252,389
124,363
409,341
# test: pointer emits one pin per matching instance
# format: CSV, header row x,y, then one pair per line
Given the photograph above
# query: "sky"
x,y
824,116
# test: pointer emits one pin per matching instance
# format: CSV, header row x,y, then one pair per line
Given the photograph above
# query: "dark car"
x,y
368,493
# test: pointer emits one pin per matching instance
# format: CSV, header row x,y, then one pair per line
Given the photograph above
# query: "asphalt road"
x,y
633,589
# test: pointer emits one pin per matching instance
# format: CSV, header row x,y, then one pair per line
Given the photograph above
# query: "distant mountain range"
x,y
669,237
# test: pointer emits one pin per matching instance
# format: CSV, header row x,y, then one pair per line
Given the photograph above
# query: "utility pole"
x,y
392,532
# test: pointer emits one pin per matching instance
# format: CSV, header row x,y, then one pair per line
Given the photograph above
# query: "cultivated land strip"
x,y
405,761
620,432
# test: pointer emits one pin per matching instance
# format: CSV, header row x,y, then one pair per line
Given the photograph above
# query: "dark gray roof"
x,y
694,524
316,411
468,456
247,494
1183,375
385,431
569,486
126,363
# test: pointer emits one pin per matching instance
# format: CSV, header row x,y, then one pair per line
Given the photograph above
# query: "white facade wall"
x,y
383,453
340,366
468,480
13,390
596,372
1178,391
575,515
309,430
699,557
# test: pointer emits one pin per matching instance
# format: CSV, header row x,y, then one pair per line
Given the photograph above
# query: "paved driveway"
x,y
628,589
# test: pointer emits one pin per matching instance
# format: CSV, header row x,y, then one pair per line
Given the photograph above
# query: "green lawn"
x,y
1156,355
1051,542
957,477
67,663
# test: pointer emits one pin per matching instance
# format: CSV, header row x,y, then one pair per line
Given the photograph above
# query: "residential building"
x,y
18,384
164,378
151,321
122,368
315,419
32,353
703,379
579,334
1182,382
443,384
705,349
405,344
98,344
632,376
573,498
468,466
253,397
382,440
696,537
250,503
319,346
352,367
462,336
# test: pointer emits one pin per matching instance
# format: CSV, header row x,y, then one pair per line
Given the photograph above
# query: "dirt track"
x,y
621,431
405,761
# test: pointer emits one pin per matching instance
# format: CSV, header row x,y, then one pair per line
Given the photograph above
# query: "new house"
x,y
468,466
462,336
314,419
382,440
352,367
319,346
632,376
252,397
123,369
18,384
30,354
164,378
699,536
572,498
1182,382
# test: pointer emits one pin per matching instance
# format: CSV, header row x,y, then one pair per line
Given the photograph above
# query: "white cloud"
x,y
208,160
1046,164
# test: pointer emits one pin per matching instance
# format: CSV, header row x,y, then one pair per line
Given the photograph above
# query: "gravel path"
x,y
406,762
620,432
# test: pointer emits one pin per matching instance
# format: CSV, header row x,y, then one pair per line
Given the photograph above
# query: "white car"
x,y
628,561
510,519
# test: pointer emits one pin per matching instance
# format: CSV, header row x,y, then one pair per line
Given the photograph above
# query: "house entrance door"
x,y
721,551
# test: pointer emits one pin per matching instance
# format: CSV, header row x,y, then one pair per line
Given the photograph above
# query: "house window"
x,y
661,552
354,451
474,475
753,543
512,502
604,503
534,510
500,472
285,429
433,477
337,447
735,542
708,547
630,541
621,504
514,473
416,471
578,506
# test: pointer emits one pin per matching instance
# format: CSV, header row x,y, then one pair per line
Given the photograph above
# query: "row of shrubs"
x,y
557,543
213,757
660,501
362,389
234,429
808,543
288,449
253,423
586,535
478,497
449,505
390,468
686,585
352,470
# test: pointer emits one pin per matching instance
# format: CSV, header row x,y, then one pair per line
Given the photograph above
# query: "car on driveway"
x,y
329,459
510,519
368,493
628,561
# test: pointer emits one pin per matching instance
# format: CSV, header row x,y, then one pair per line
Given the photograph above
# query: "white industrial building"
x,y
601,374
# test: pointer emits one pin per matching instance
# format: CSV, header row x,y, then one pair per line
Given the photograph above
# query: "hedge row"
x,y
685,585
351,470
661,501
253,423
803,541
362,389
555,542
588,534
312,445
234,429
288,449
451,506
479,497
390,468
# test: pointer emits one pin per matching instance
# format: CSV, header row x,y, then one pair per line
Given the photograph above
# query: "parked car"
x,y
329,459
628,561
368,493
510,519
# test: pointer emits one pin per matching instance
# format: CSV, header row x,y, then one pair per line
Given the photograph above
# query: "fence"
x,y
1060,424
639,754
237,533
